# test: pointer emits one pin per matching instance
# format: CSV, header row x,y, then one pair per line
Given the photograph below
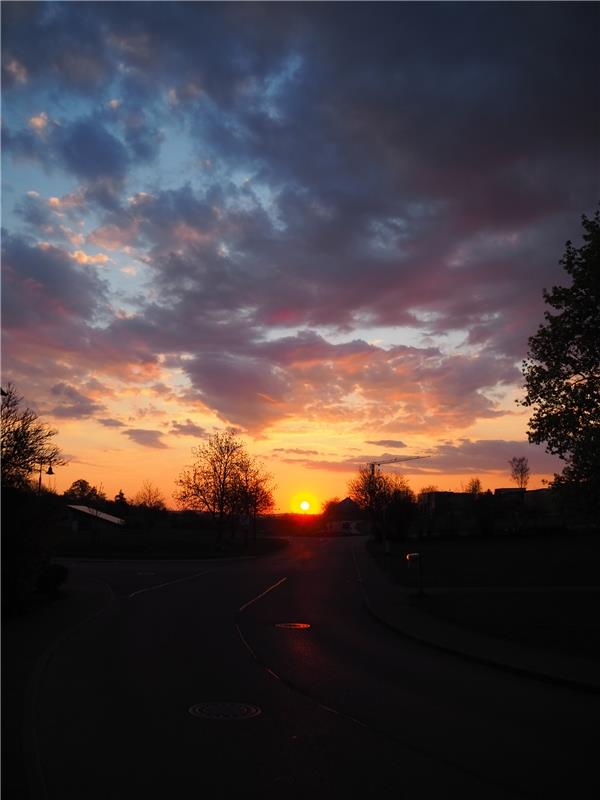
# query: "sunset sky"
x,y
327,226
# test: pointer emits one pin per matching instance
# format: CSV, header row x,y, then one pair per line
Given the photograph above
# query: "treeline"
x,y
221,494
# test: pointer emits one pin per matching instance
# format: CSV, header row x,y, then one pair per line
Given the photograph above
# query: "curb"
x,y
545,677
516,666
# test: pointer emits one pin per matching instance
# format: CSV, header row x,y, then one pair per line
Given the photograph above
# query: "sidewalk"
x,y
398,608
28,642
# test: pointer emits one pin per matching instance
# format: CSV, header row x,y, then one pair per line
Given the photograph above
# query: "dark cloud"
x,y
90,152
142,138
296,451
187,428
41,283
351,166
387,443
108,422
145,438
34,210
49,44
485,456
74,405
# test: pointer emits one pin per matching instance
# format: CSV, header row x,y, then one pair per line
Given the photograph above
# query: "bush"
x,y
27,519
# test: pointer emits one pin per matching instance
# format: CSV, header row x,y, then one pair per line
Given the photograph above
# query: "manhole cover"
x,y
231,711
296,626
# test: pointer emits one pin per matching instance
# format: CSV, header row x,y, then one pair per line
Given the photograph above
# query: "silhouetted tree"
x,y
121,506
369,490
562,369
474,487
400,504
26,444
329,506
252,489
382,496
148,506
425,491
225,481
149,498
519,471
80,492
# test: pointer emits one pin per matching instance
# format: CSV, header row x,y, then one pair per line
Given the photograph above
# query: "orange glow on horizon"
x,y
304,503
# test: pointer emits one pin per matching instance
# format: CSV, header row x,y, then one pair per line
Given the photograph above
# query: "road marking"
x,y
272,673
262,594
245,642
170,583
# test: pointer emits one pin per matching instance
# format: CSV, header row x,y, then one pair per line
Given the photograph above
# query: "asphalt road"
x,y
347,707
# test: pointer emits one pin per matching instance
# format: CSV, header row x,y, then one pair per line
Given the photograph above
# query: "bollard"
x,y
414,559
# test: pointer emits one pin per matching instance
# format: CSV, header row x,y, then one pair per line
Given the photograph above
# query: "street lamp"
x,y
49,471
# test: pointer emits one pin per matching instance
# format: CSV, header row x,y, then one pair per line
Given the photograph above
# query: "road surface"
x,y
185,684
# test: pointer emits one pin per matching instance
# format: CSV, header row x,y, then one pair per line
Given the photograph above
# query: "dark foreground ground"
x,y
537,591
98,684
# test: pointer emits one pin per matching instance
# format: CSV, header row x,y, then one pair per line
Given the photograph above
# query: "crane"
x,y
374,464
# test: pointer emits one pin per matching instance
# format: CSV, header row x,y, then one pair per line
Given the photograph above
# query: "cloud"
x,y
74,405
479,457
108,422
145,438
90,151
38,121
487,456
187,428
83,258
387,443
301,192
296,451
41,282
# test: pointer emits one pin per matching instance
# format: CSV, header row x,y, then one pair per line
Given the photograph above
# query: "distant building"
x,y
345,518
445,513
507,511
84,518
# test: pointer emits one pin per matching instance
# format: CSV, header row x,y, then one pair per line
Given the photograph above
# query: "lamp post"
x,y
49,471
415,559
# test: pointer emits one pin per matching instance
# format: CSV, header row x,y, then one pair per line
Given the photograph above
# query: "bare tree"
x,y
329,506
253,491
149,498
384,497
474,487
26,443
369,490
225,481
519,471
425,491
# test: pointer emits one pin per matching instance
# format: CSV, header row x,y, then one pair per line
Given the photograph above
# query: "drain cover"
x,y
212,710
296,626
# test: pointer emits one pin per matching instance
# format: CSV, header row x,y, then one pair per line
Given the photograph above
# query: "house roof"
x,y
92,512
345,509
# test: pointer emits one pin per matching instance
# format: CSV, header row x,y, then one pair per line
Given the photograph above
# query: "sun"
x,y
304,503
